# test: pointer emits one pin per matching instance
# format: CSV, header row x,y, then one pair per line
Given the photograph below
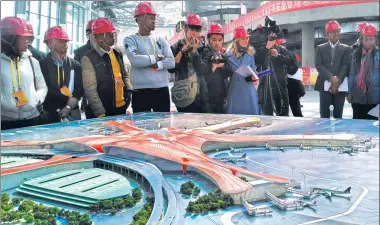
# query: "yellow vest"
x,y
119,83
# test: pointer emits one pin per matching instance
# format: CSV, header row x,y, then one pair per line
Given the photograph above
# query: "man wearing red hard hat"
x,y
105,80
23,87
150,59
363,81
332,61
63,76
37,54
187,59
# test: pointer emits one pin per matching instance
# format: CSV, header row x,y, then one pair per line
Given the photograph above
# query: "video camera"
x,y
259,37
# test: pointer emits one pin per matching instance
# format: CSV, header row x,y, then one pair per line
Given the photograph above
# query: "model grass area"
x,y
190,189
142,217
212,201
115,205
26,211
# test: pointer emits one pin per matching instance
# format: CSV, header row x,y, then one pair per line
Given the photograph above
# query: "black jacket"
x,y
327,67
189,64
81,51
37,54
216,81
99,81
54,98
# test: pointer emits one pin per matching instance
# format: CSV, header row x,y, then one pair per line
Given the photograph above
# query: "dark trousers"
x,y
146,100
194,107
295,105
5,125
217,108
281,108
360,111
326,99
118,111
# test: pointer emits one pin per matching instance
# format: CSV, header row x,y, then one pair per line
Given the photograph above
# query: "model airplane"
x,y
233,159
305,147
332,192
267,146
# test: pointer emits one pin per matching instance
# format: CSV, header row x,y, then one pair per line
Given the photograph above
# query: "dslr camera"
x,y
259,37
216,59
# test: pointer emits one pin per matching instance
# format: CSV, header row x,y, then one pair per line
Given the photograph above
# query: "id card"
x,y
20,98
65,91
153,69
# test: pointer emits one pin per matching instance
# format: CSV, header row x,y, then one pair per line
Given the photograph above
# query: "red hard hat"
x,y
215,28
240,32
144,8
360,27
280,41
369,30
56,32
194,20
89,24
14,26
30,27
103,25
332,25
259,26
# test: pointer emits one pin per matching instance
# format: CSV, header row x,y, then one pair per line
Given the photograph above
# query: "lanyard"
x,y
59,77
13,75
146,46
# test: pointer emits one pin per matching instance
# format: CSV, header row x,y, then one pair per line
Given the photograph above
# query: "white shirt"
x,y
333,45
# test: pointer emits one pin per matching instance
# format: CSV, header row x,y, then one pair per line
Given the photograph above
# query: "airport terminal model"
x,y
129,169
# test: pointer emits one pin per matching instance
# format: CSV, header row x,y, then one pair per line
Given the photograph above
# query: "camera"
x,y
259,37
217,60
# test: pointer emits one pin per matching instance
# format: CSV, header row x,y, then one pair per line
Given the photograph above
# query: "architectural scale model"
x,y
129,170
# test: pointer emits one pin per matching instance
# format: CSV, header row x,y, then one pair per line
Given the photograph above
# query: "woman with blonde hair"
x,y
242,95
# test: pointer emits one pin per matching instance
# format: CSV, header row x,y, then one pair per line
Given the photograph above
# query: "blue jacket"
x,y
373,96
242,96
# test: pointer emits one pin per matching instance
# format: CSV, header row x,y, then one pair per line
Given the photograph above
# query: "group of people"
x,y
39,88
348,72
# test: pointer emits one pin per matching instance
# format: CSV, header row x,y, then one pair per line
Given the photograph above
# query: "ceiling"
x,y
121,12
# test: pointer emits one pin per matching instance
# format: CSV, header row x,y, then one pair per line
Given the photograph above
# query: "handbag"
x,y
184,91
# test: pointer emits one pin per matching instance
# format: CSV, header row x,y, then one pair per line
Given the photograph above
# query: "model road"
x,y
350,210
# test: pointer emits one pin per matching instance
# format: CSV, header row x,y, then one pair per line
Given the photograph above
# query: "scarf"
x,y
365,72
242,51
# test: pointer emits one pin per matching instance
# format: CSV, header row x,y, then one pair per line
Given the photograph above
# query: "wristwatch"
x,y
67,106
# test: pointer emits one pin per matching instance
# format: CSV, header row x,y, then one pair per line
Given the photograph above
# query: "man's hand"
x,y
333,89
274,52
185,48
72,102
270,43
215,66
196,44
64,112
159,58
335,81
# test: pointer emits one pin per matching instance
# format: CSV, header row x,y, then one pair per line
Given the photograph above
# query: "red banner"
x,y
306,75
277,7
273,8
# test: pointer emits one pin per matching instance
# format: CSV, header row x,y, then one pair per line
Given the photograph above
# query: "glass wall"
x,y
45,14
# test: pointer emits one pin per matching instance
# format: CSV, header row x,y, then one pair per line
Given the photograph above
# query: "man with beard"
x,y
63,77
105,81
150,59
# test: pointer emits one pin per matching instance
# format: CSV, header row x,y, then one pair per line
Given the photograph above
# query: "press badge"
x,y
65,91
20,98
